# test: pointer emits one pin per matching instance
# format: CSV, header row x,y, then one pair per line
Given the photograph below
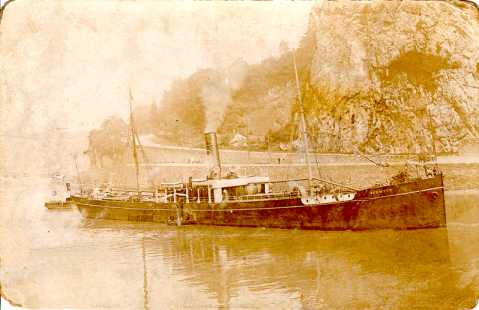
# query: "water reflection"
x,y
59,260
243,267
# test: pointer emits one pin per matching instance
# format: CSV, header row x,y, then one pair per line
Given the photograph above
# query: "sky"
x,y
70,64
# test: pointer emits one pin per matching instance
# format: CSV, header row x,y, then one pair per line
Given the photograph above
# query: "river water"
x,y
56,259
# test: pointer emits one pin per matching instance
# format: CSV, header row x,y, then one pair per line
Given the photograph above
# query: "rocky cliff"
x,y
396,73
375,77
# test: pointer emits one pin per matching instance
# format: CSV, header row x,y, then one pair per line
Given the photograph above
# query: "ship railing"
x,y
282,195
290,195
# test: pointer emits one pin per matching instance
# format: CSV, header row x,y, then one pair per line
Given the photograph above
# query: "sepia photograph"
x,y
239,154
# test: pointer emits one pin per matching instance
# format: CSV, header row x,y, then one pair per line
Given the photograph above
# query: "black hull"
x,y
412,205
127,211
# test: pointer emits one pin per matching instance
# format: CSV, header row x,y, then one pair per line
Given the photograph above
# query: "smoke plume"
x,y
216,94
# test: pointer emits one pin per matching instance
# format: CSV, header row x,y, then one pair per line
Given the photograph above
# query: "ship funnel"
x,y
213,155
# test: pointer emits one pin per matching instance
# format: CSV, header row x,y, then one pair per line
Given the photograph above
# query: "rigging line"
x,y
78,174
162,156
316,144
379,164
136,137
315,152
148,166
304,133
337,184
430,124
433,133
143,152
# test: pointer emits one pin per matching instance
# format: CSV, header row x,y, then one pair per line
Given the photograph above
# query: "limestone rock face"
x,y
391,74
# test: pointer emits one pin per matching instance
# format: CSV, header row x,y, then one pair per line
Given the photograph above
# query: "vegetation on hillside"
x,y
379,78
109,142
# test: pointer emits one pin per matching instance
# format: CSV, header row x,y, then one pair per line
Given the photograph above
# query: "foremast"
x,y
134,151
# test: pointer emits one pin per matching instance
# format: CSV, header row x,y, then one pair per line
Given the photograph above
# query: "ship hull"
x,y
126,210
412,205
409,211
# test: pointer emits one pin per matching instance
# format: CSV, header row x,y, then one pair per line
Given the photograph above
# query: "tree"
x,y
110,141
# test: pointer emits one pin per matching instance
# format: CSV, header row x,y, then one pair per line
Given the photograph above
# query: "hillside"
x,y
381,77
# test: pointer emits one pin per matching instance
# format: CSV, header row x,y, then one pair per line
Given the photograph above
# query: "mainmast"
x,y
304,134
133,139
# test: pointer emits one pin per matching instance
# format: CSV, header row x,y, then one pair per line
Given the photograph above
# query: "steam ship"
x,y
406,202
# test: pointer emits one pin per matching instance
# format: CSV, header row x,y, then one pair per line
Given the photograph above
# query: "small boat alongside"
x,y
60,196
58,205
